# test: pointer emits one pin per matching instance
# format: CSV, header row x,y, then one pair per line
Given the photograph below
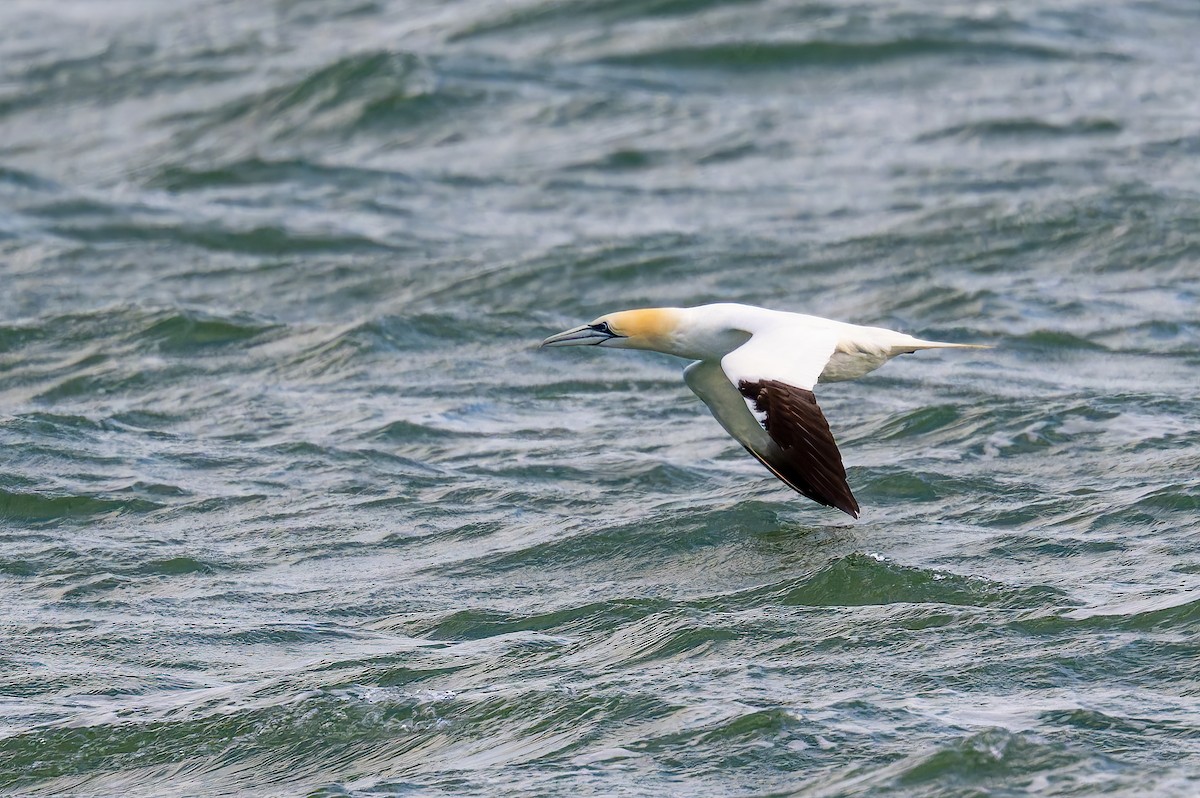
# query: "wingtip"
x,y
848,504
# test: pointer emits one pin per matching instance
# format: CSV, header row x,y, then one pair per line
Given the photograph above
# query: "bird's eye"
x,y
601,327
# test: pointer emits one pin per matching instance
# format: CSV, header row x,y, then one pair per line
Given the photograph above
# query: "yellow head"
x,y
646,328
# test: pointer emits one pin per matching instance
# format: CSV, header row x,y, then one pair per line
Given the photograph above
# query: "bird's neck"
x,y
703,333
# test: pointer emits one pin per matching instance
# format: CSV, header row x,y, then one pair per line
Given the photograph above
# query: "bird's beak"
x,y
584,335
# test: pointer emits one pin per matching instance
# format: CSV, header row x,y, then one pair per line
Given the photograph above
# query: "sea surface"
x,y
292,505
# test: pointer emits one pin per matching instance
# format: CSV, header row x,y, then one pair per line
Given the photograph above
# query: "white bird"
x,y
755,369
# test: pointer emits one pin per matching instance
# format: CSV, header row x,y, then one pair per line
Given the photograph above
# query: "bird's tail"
x,y
944,345
910,344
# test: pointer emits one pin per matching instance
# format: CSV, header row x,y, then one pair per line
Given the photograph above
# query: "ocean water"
x,y
291,504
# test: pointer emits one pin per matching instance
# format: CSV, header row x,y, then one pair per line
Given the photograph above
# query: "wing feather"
x,y
772,377
805,455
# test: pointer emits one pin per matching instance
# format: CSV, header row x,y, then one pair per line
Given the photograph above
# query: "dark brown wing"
x,y
807,459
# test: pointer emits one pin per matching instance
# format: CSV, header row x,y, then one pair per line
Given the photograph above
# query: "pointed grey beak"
x,y
584,335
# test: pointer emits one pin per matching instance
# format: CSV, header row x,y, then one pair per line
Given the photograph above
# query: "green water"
x,y
292,505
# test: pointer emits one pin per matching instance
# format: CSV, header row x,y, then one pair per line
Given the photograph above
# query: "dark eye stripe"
x,y
601,327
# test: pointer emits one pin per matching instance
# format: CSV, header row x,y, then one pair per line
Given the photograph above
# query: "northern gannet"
x,y
755,369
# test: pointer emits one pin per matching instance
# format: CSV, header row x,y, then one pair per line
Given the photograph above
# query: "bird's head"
x,y
648,328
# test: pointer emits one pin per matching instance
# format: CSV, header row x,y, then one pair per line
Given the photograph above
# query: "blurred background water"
x,y
291,505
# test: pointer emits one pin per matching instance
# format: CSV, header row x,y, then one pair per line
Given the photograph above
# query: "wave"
x,y
351,96
588,12
862,579
43,508
1022,127
772,55
991,758
256,170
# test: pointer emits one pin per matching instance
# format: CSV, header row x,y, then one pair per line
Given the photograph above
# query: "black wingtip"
x,y
847,504
804,454
851,508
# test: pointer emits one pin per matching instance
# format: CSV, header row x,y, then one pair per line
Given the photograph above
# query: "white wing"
x,y
796,357
762,395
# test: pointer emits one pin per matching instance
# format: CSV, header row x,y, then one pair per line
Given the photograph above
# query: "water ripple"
x,y
292,503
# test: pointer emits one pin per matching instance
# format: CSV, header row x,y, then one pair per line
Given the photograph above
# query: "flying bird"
x,y
756,369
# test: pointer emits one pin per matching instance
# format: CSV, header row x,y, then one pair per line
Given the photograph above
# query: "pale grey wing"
x,y
761,395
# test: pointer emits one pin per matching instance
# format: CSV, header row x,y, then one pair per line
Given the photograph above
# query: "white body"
x,y
798,343
755,369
